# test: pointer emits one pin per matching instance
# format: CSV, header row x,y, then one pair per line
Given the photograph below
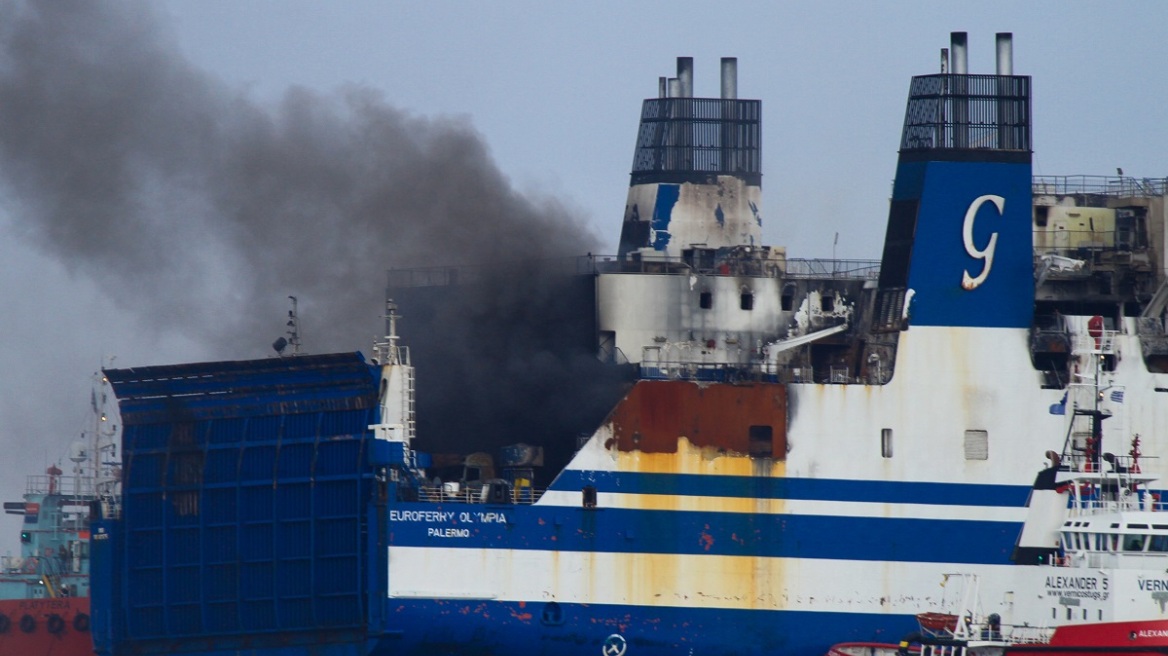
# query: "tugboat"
x,y
44,592
1092,557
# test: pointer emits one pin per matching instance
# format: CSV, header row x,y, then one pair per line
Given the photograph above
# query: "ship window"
x,y
1040,215
706,300
589,496
886,442
1084,613
761,442
787,300
977,445
746,301
1133,543
1158,543
1068,612
827,303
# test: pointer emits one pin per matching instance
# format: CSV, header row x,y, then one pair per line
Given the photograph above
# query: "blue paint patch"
x,y
720,216
537,626
945,191
667,195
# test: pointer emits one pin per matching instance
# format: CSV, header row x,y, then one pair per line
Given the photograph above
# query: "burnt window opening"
x,y
787,300
762,443
746,301
706,300
589,496
1041,212
886,442
827,303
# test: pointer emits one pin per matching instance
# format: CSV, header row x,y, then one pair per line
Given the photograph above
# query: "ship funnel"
x,y
662,87
964,169
1005,53
959,52
729,78
685,76
696,181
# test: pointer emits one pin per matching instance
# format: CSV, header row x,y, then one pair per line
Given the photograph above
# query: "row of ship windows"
x,y
976,444
746,301
1111,542
1070,613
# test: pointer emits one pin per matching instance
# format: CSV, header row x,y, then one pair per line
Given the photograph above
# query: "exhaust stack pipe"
x,y
1005,53
944,61
960,62
662,87
674,90
729,78
685,76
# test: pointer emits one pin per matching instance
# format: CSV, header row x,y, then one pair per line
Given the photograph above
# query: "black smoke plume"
x,y
200,209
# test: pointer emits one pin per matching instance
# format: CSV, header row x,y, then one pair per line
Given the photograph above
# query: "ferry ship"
x,y
753,454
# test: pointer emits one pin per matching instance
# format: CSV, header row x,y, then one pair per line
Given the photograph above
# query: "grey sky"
x,y
553,90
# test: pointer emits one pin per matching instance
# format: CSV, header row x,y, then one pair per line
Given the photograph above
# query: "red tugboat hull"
x,y
45,627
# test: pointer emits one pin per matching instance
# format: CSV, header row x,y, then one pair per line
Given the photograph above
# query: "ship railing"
x,y
735,372
1029,635
17,565
82,486
594,264
1061,240
474,495
443,276
1099,185
1103,344
833,268
722,372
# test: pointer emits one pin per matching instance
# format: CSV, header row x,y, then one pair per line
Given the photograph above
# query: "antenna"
x,y
293,333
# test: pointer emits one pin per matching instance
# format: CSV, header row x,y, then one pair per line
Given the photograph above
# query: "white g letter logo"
x,y
987,254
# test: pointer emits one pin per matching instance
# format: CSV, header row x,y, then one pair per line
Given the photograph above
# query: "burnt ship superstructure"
x,y
751,453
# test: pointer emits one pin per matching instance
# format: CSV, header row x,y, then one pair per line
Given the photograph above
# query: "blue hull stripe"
x,y
723,534
750,487
457,628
